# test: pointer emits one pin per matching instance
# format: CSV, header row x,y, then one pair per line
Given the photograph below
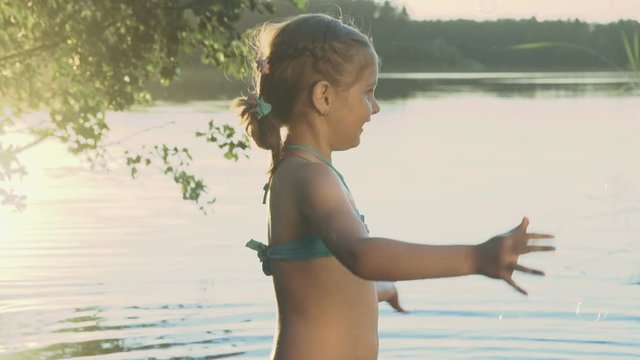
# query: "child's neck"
x,y
312,142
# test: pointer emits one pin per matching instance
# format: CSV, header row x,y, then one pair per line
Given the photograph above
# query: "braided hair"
x,y
297,52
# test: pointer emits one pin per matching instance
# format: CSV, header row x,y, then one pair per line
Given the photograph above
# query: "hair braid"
x,y
296,51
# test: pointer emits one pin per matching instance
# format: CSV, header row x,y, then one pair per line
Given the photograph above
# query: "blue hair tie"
x,y
261,107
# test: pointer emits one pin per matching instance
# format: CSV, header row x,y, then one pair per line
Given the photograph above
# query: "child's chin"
x,y
349,146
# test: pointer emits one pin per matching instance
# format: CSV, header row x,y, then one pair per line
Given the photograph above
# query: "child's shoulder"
x,y
301,172
310,179
306,176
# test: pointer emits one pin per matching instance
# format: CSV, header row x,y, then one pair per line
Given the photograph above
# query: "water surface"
x,y
105,267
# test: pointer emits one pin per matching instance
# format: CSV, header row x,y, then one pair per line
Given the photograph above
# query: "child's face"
x,y
352,109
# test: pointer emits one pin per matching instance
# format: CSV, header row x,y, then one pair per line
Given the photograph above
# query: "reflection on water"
x,y
529,85
103,266
162,330
392,86
141,338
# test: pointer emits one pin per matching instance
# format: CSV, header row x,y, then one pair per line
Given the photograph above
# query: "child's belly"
x,y
325,312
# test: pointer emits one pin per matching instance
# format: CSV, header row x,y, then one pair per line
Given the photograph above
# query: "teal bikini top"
x,y
305,248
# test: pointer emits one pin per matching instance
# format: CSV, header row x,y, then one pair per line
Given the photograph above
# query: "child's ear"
x,y
320,96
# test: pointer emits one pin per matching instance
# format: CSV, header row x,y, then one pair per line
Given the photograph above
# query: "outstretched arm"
x,y
375,258
496,258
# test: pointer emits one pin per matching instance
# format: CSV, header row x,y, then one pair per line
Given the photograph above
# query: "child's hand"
x,y
387,292
498,257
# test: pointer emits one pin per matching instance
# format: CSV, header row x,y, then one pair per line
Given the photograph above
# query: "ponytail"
x,y
261,125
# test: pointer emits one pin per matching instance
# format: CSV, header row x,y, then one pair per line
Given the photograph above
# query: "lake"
x,y
103,266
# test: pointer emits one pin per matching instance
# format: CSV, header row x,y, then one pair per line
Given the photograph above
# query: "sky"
x,y
600,11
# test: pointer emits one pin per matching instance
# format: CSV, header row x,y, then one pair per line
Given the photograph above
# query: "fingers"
x,y
515,286
388,292
522,226
531,248
540,236
527,270
385,290
395,303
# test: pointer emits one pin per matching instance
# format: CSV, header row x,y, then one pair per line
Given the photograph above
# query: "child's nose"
x,y
376,108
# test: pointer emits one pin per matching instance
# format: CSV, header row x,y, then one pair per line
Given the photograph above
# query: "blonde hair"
x,y
298,51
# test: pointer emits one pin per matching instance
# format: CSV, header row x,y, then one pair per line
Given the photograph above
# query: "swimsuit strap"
x,y
317,154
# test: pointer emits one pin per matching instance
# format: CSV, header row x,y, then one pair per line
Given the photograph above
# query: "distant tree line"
x,y
432,46
464,45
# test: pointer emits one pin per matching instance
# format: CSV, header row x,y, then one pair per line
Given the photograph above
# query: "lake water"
x,y
106,267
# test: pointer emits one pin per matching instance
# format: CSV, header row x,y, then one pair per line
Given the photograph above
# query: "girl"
x,y
315,78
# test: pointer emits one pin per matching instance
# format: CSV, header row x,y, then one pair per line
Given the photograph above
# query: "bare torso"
x,y
324,310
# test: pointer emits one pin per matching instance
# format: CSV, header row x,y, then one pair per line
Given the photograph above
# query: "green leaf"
x,y
629,52
623,89
636,53
536,45
300,4
540,45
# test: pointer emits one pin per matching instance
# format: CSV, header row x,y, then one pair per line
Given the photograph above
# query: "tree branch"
x,y
32,144
47,46
30,51
116,142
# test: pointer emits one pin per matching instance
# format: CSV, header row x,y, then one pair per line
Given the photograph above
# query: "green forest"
x,y
407,45
465,45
